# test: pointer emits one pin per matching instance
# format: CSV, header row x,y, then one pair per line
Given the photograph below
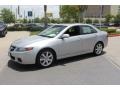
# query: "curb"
x,y
113,35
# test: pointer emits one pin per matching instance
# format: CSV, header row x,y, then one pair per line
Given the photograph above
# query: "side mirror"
x,y
65,36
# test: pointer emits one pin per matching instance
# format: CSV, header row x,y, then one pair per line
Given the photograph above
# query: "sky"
x,y
38,10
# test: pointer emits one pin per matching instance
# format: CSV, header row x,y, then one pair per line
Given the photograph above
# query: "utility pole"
x,y
45,15
19,11
101,14
16,15
24,16
34,17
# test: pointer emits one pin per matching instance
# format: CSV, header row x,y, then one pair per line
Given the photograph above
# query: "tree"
x,y
80,9
117,20
29,21
96,21
68,12
44,19
24,20
0,17
7,16
53,21
72,12
108,18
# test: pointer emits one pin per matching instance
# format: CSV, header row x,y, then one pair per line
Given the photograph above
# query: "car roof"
x,y
73,24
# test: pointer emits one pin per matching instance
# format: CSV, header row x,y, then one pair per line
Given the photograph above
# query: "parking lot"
x,y
5,44
83,69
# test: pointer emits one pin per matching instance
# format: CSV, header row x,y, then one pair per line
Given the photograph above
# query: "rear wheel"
x,y
45,58
98,49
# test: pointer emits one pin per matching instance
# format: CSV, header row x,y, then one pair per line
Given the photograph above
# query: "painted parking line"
x,y
113,60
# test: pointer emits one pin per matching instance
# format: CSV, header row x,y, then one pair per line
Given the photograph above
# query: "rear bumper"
x,y
106,42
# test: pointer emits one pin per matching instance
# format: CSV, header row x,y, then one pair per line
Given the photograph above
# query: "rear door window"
x,y
87,30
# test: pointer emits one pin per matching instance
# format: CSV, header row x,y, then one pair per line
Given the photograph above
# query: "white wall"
x,y
114,9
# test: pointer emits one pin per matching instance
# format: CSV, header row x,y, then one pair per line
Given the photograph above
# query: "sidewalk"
x,y
113,49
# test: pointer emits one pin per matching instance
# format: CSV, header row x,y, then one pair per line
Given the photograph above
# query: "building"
x,y
100,11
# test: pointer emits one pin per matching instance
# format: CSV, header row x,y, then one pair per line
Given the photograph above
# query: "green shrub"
x,y
96,21
88,21
109,30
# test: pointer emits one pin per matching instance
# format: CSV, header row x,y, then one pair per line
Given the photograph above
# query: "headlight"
x,y
24,49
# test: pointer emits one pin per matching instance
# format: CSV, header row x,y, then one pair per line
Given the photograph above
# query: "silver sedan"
x,y
57,42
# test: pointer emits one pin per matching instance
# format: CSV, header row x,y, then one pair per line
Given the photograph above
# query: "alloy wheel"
x,y
98,49
46,58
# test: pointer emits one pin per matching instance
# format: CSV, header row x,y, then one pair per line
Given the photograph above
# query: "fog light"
x,y
19,59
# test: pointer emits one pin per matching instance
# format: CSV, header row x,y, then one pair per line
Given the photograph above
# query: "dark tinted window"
x,y
87,30
73,31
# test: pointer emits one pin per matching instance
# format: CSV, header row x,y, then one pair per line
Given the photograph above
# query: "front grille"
x,y
12,48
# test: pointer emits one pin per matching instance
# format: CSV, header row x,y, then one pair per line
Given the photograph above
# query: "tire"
x,y
3,34
98,49
45,58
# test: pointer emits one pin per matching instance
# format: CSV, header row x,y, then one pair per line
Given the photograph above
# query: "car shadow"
x,y
32,67
1,37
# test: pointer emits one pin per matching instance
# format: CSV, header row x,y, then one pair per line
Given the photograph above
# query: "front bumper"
x,y
1,33
22,57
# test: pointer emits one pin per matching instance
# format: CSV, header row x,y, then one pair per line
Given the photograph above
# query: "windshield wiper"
x,y
45,36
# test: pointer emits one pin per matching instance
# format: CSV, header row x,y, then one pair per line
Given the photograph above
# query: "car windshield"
x,y
52,31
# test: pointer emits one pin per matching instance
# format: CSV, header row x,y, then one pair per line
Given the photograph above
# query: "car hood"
x,y
28,40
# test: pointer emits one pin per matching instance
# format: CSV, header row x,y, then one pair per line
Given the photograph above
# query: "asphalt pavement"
x,y
5,43
85,69
80,70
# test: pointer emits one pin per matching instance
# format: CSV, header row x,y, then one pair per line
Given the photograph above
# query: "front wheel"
x,y
45,58
3,34
98,49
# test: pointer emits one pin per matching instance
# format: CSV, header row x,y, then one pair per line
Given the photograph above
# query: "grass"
x,y
103,29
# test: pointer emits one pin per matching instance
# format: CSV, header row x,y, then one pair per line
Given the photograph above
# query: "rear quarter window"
x,y
87,30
